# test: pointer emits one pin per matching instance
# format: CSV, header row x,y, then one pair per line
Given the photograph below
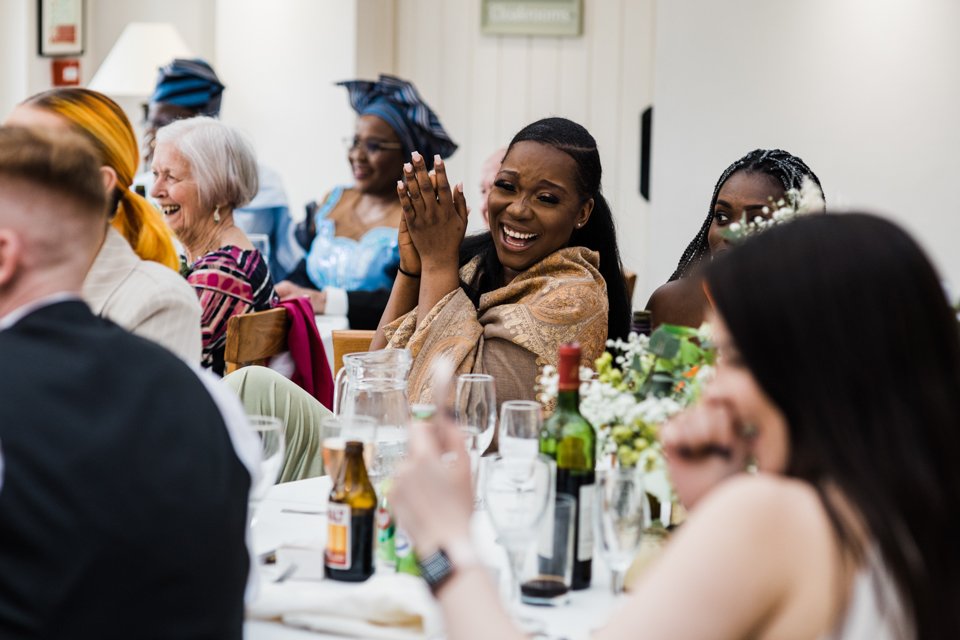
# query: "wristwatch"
x,y
437,568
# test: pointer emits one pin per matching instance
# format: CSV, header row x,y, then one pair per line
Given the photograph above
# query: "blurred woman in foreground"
x,y
847,531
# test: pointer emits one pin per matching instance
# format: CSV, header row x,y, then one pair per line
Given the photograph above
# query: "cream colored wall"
x,y
865,91
280,61
485,88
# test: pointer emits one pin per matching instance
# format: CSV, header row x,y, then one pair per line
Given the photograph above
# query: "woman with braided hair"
x,y
744,188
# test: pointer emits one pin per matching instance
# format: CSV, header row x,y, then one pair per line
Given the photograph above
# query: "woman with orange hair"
x,y
126,282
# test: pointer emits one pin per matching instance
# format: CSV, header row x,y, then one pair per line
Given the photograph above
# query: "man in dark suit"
x,y
123,501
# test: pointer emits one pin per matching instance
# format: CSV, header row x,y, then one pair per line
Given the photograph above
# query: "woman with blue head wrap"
x,y
352,238
185,88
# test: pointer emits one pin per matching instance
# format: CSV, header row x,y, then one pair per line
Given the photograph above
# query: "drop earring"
x,y
216,214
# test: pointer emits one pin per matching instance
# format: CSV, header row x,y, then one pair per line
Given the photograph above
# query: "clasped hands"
x,y
434,217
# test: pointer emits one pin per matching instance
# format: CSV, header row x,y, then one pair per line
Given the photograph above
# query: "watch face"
x,y
436,569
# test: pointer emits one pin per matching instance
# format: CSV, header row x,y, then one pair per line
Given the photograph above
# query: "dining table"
x,y
288,534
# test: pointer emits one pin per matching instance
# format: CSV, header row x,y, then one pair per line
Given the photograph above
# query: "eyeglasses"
x,y
370,146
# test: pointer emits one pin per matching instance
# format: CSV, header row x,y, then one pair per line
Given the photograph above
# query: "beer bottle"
x,y
569,439
350,520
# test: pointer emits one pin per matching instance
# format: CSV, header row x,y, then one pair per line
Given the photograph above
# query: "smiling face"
x,y
735,387
376,157
176,192
742,193
534,205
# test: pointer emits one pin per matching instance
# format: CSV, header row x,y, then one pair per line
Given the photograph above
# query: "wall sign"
x,y
532,17
60,27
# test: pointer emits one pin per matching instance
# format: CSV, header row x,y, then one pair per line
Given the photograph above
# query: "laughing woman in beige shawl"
x,y
502,302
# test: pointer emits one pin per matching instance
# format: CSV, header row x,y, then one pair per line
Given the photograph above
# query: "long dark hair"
x,y
598,234
787,169
844,324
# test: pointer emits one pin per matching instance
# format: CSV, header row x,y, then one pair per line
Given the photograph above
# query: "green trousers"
x,y
265,392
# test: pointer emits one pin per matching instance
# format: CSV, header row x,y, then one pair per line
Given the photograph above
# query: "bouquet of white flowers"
x,y
631,394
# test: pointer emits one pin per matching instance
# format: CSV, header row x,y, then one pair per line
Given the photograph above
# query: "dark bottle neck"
x,y
568,400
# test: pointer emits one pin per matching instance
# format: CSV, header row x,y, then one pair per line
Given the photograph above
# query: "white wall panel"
x,y
864,90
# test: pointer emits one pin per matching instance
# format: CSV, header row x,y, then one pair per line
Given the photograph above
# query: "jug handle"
x,y
339,382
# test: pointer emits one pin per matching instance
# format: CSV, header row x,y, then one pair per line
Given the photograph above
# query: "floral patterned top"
x,y
229,281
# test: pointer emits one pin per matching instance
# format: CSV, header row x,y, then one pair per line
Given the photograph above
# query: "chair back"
x,y
252,338
349,341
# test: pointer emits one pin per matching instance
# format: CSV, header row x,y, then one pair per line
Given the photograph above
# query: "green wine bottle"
x,y
569,439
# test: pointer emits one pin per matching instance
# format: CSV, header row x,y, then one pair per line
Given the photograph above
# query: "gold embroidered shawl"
x,y
516,330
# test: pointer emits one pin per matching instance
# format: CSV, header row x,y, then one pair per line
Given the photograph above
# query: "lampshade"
x,y
130,69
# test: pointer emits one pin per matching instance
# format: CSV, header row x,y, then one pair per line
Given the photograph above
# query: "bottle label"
x,y
338,536
585,522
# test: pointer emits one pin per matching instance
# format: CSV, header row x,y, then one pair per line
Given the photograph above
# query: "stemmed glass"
x,y
476,414
520,423
271,434
516,492
619,518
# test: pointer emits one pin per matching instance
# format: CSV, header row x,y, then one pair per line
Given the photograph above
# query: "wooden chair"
x,y
252,338
630,279
349,341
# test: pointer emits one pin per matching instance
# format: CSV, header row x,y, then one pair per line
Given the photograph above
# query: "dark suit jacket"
x,y
123,505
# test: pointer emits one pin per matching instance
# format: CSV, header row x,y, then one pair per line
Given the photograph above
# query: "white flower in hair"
x,y
795,202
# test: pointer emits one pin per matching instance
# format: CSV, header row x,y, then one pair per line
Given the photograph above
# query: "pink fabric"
x,y
311,370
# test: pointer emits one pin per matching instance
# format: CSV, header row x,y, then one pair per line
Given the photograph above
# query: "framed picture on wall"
x,y
60,27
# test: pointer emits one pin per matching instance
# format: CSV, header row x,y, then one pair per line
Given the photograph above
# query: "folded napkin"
x,y
388,606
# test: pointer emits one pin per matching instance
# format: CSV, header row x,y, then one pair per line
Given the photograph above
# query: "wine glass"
x,y
516,493
476,407
619,518
476,414
520,423
271,434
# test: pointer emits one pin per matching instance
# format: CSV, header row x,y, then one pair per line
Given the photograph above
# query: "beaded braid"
x,y
787,169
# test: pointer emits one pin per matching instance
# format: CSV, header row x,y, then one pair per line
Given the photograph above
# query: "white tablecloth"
x,y
287,517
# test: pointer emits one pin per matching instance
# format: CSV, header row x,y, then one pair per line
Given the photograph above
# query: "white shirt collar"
x,y
23,311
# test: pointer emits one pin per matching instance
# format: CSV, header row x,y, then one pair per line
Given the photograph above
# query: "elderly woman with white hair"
x,y
203,170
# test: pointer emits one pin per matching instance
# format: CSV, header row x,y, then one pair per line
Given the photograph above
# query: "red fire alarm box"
x,y
66,72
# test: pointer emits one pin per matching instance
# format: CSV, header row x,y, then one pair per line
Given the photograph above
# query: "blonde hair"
x,y
104,124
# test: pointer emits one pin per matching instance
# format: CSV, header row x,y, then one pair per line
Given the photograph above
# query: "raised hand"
x,y
409,256
703,445
435,217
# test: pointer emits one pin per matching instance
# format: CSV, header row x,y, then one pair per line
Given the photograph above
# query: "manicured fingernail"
x,y
400,184
407,168
416,156
460,187
437,160
433,173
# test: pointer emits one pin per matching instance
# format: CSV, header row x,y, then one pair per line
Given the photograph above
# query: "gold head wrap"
x,y
103,122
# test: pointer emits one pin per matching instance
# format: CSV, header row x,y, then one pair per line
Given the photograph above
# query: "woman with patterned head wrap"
x,y
126,282
185,89
746,186
354,252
